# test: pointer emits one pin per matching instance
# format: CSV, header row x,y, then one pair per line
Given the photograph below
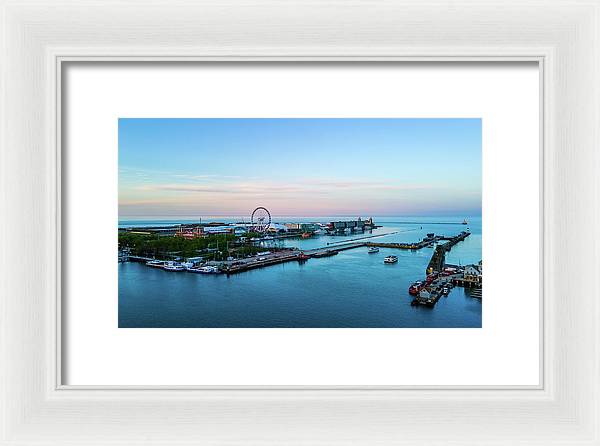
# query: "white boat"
x,y
373,249
173,266
390,259
207,269
155,263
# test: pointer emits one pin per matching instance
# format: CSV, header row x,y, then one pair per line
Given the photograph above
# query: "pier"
x,y
237,266
434,291
139,258
362,238
438,259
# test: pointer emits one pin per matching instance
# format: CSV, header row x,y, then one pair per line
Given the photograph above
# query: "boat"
x,y
205,270
373,249
445,290
155,263
414,289
209,269
173,266
303,257
306,235
390,259
465,222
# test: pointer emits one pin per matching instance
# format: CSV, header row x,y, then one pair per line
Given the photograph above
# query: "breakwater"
x,y
438,259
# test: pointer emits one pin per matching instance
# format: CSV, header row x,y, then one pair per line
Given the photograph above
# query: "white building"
x,y
472,273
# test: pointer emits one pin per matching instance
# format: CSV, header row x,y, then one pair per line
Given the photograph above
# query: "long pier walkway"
x,y
331,250
438,259
287,255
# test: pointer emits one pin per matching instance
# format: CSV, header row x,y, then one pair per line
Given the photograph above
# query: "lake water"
x,y
352,289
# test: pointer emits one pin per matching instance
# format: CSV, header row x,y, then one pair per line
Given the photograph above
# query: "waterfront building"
x,y
190,233
239,230
472,273
219,229
352,225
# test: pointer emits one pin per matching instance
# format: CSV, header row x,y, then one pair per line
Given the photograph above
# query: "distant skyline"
x,y
299,167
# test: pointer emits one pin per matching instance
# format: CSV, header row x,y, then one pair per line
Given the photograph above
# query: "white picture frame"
x,y
563,37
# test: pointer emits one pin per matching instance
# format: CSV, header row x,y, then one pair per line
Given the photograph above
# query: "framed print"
x,y
276,228
270,231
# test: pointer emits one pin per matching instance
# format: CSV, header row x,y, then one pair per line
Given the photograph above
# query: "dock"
x,y
336,248
333,249
438,259
238,266
430,295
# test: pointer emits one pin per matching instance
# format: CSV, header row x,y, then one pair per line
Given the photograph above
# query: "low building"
x,y
218,229
293,226
239,230
190,232
472,273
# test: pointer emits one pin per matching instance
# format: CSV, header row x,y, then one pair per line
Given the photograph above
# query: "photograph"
x,y
300,223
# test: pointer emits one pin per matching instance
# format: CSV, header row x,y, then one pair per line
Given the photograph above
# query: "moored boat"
x,y
414,289
173,266
155,263
208,269
303,257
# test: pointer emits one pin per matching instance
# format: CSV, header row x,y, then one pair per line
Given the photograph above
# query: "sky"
x,y
299,167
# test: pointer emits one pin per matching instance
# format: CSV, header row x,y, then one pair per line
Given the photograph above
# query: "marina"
x,y
316,253
286,255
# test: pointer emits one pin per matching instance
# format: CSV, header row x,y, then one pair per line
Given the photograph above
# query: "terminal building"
x,y
352,225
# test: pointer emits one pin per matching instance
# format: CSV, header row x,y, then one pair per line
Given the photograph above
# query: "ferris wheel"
x,y
260,220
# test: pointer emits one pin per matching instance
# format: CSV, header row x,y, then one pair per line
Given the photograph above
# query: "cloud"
x,y
232,195
308,186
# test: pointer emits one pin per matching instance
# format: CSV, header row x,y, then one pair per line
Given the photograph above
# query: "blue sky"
x,y
299,167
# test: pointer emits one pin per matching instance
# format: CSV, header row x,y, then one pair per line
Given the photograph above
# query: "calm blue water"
x,y
352,289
